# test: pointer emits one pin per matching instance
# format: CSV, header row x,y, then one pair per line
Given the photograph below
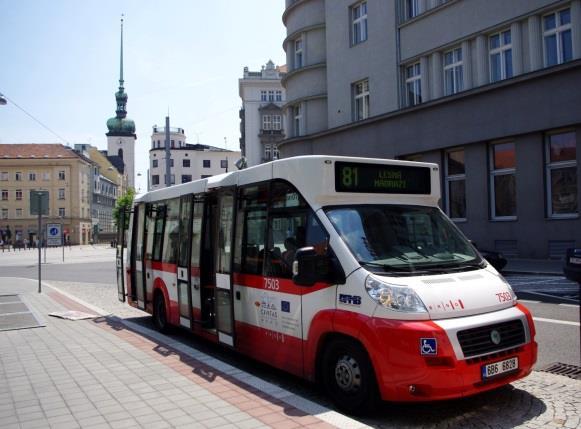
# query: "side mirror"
x,y
309,267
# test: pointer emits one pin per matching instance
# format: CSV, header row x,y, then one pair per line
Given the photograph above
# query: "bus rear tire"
x,y
160,313
349,378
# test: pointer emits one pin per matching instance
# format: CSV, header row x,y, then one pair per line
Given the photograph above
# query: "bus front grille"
x,y
491,338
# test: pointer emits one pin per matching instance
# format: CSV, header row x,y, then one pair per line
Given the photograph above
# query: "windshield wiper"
x,y
394,269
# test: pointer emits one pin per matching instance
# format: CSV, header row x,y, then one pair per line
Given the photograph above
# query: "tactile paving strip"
x,y
15,314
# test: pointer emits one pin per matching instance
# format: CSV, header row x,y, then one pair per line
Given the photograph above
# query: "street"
x,y
90,276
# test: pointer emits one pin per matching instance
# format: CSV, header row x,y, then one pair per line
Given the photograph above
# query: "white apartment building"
x,y
187,161
261,118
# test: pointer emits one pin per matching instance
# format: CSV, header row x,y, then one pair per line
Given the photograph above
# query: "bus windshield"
x,y
403,239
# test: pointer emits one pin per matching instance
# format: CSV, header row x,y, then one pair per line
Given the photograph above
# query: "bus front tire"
x,y
349,378
160,314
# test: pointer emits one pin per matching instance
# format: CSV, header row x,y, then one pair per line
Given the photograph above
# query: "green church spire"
x,y
120,124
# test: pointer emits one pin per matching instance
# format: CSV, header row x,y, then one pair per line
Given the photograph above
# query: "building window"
x,y
561,173
154,163
455,185
186,178
61,194
171,162
267,122
278,95
297,120
18,212
4,195
412,8
500,46
18,176
413,83
155,179
271,95
276,122
32,176
267,152
172,179
4,213
558,45
275,153
206,163
46,176
19,194
361,100
173,143
185,162
4,176
359,23
224,163
61,212
262,95
298,53
503,181
453,71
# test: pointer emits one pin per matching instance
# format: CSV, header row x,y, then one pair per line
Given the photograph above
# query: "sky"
x,y
60,64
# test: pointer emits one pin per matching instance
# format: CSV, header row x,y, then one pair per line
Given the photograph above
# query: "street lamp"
x,y
2,100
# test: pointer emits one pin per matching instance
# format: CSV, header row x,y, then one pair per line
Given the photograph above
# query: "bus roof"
x,y
315,176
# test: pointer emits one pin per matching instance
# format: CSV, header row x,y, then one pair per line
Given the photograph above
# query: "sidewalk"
x,y
103,373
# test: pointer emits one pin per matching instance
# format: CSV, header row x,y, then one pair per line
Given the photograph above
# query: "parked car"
x,y
572,267
496,259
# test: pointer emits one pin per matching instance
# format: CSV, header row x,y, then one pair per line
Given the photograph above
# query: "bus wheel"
x,y
349,378
159,313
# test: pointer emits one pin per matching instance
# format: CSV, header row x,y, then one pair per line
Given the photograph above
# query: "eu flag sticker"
x,y
428,346
285,306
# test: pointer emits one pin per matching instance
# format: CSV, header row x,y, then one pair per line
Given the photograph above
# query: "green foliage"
x,y
124,203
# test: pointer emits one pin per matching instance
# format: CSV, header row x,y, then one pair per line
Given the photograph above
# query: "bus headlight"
x,y
399,298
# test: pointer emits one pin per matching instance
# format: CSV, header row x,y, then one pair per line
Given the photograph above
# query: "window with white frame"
x,y
267,122
4,176
503,181
4,195
4,213
279,95
558,45
19,194
298,53
455,179
561,174
453,71
413,84
32,176
18,212
154,163
61,212
18,176
62,175
275,153
361,100
412,8
46,176
276,122
500,46
359,23
297,120
263,96
271,95
61,194
267,152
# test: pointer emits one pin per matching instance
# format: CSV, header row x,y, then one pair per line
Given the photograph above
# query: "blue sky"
x,y
60,63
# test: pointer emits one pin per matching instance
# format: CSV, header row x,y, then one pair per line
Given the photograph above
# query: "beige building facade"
x,y
65,174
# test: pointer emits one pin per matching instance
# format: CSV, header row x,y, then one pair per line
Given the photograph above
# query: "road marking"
x,y
528,301
570,305
560,322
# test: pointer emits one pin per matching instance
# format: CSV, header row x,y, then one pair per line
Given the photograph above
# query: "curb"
x,y
316,410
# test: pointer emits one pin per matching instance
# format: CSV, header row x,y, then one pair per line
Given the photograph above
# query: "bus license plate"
x,y
497,368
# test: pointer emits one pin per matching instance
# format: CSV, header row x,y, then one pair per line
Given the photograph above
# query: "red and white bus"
x,y
340,270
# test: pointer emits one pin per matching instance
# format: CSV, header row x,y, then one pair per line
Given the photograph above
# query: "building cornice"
x,y
291,7
300,31
300,70
303,99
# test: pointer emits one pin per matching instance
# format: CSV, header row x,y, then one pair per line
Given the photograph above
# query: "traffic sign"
x,y
53,234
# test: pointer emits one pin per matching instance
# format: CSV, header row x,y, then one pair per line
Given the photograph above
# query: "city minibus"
x,y
340,270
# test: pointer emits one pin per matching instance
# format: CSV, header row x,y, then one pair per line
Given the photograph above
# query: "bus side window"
x,y
251,229
159,216
171,231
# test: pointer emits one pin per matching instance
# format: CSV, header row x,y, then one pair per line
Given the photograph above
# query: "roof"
x,y
117,162
104,163
38,151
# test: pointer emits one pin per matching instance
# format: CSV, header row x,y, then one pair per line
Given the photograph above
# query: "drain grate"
x,y
16,314
571,371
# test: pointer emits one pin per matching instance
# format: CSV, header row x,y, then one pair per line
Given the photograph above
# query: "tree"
x,y
124,203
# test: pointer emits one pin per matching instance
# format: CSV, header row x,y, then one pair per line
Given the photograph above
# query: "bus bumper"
x,y
404,374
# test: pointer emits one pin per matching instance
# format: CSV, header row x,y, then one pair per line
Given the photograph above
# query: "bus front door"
x,y
183,258
137,278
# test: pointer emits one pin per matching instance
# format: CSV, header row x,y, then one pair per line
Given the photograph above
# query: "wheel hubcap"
x,y
348,374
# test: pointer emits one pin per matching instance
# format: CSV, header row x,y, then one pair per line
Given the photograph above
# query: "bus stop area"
x,y
108,371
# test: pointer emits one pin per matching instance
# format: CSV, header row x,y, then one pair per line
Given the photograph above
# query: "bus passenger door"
x,y
137,260
183,261
223,229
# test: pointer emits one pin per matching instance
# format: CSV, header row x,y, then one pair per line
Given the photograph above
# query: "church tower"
x,y
121,136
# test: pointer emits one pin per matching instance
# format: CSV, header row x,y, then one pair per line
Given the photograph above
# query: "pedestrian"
x,y
2,244
25,241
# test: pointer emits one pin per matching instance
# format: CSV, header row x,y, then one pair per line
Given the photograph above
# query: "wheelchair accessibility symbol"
x,y
428,346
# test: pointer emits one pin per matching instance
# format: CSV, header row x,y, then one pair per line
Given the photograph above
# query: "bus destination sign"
x,y
381,178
